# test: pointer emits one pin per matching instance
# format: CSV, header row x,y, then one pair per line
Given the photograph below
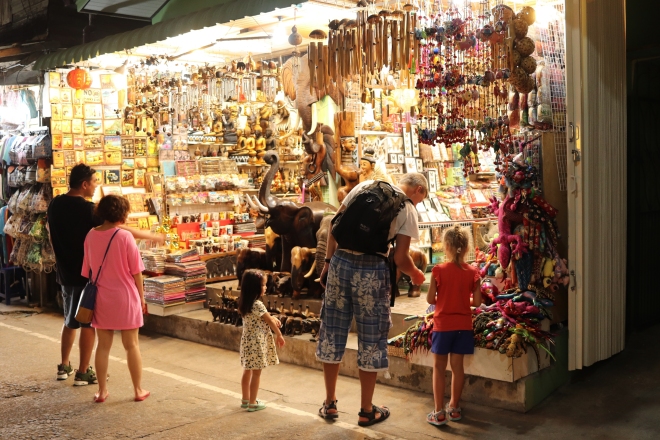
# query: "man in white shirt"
x,y
358,284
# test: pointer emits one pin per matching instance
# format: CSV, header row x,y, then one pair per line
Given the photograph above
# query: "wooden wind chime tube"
x,y
395,45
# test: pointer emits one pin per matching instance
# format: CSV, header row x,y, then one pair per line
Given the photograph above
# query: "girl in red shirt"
x,y
451,286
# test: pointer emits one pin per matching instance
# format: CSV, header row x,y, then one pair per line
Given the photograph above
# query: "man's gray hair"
x,y
413,180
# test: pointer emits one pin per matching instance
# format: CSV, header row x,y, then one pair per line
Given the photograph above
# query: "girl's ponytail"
x,y
458,240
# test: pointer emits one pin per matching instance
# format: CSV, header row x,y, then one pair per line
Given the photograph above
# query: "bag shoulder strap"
x,y
103,261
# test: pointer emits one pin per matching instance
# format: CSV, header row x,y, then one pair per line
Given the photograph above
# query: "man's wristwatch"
x,y
327,260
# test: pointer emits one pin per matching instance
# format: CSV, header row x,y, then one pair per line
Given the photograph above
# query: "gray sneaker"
x,y
64,371
86,378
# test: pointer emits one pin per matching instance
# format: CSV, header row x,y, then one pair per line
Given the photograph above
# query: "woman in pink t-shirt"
x,y
120,299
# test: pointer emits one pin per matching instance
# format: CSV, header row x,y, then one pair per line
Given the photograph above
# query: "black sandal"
x,y
384,414
323,411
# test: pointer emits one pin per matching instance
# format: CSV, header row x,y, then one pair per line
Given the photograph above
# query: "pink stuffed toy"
x,y
508,242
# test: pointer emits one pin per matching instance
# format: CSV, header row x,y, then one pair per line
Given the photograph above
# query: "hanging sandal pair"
x,y
371,416
323,411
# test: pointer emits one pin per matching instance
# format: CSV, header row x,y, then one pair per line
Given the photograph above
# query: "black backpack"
x,y
364,225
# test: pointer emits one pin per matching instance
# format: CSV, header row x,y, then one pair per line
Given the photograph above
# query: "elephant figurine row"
x,y
225,311
303,272
295,322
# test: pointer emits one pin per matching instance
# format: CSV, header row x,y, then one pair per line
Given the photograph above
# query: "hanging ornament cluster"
x,y
523,64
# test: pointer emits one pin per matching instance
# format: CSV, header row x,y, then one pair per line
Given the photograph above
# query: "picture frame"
x,y
54,79
77,126
112,176
127,177
65,96
67,142
436,204
394,158
420,165
411,165
128,146
78,112
55,127
93,142
106,81
407,145
112,157
56,112
140,147
78,142
67,111
93,126
94,158
112,126
59,190
109,111
92,111
66,126
433,180
139,177
92,96
400,158
127,163
57,142
140,163
154,183
128,129
112,143
414,140
54,95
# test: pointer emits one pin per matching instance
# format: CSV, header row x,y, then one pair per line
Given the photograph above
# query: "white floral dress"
x,y
257,343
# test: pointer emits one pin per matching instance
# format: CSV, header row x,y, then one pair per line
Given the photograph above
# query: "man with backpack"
x,y
372,216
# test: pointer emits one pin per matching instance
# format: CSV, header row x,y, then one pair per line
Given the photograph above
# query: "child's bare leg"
x,y
245,384
439,368
457,380
254,386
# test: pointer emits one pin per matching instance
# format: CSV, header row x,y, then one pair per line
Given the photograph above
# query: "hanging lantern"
x,y
79,79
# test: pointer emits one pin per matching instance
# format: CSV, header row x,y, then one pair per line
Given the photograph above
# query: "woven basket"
x,y
396,352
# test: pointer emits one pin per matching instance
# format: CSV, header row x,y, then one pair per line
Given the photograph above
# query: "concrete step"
x,y
493,379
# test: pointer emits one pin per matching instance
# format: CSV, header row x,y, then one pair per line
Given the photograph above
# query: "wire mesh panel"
x,y
552,36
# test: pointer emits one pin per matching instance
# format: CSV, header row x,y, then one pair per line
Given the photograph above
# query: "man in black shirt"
x,y
70,218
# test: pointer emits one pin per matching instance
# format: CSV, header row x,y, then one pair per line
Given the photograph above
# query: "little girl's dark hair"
x,y
457,238
250,290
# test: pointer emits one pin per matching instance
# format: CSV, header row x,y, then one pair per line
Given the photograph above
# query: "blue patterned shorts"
x,y
358,285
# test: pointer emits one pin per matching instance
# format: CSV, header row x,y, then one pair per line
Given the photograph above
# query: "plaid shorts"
x,y
358,285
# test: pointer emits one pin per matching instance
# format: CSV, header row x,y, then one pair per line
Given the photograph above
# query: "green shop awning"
x,y
218,14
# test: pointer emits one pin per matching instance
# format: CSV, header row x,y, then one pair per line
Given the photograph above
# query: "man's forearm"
x,y
139,234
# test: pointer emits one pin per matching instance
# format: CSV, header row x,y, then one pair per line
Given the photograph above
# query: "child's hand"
x,y
280,341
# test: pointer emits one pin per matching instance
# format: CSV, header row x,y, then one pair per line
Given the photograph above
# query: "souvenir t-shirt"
x,y
70,218
452,305
405,222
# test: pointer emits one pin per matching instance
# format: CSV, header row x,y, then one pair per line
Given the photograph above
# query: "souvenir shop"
x,y
26,255
212,133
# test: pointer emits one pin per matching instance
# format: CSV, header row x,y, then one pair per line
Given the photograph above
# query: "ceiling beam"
x,y
17,52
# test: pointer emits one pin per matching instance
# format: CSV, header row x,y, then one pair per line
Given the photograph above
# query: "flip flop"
x,y
384,414
140,399
99,399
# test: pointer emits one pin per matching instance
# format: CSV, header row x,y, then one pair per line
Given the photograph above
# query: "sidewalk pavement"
x,y
196,394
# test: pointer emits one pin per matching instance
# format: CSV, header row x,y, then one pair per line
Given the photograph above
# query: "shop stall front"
x,y
219,131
